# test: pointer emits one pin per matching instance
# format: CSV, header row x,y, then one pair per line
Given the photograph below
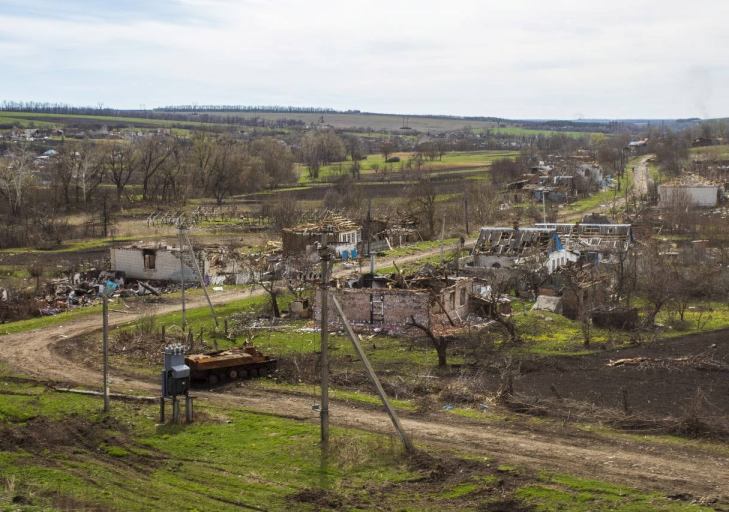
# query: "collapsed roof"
x,y
544,237
503,241
330,222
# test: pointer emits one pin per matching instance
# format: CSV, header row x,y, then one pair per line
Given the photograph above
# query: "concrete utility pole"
x,y
182,278
465,212
105,347
324,407
202,281
407,443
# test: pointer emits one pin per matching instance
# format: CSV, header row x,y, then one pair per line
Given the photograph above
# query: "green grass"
x,y
519,131
77,246
42,322
455,161
558,492
234,458
228,459
7,119
46,119
356,397
417,247
720,152
545,333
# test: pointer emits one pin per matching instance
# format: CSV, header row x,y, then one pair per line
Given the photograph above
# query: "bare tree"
x,y
262,273
440,343
656,278
423,202
120,164
15,179
277,160
387,148
151,154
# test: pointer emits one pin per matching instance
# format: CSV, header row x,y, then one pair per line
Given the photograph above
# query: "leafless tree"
x,y
15,179
656,274
439,343
277,160
151,154
263,274
423,202
120,164
387,148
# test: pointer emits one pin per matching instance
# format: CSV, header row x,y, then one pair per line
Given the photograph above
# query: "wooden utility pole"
x,y
324,406
407,443
105,347
182,279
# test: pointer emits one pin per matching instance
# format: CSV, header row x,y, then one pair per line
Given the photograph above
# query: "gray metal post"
x,y
188,408
105,346
324,408
373,376
182,281
175,409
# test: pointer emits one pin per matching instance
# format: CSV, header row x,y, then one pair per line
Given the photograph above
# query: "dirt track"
x,y
670,469
641,179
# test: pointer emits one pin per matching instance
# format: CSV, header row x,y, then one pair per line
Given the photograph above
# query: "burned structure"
x,y
157,262
435,302
689,190
554,245
344,236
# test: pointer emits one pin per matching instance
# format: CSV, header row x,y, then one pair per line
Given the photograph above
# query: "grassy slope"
x,y
711,152
233,459
452,160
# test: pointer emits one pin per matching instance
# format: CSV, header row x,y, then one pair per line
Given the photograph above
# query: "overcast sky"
x,y
515,58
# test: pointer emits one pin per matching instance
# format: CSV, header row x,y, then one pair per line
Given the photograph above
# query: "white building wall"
x,y
167,265
704,196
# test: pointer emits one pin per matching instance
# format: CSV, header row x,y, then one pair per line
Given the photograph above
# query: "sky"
x,y
527,59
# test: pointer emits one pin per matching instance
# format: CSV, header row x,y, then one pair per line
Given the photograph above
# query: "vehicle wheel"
x,y
233,374
213,379
254,372
243,374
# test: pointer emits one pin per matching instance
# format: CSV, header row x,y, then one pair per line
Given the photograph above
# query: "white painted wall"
x,y
167,265
704,196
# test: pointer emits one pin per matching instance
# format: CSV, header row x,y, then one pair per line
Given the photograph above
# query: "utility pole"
x,y
324,407
465,212
407,443
105,346
182,279
442,236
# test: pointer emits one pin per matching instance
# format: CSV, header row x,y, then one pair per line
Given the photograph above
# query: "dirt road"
x,y
671,469
31,352
641,179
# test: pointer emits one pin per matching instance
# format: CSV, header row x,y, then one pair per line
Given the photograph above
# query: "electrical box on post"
x,y
176,374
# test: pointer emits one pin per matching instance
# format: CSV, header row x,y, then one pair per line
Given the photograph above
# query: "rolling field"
x,y
452,161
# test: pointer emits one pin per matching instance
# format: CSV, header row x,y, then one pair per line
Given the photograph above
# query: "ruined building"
x,y
156,261
343,235
435,302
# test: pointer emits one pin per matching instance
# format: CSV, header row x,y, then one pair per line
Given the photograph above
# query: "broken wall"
x,y
390,309
131,261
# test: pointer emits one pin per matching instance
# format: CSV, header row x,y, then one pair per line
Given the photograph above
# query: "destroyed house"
x,y
592,238
157,262
688,190
502,247
343,235
554,244
435,302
